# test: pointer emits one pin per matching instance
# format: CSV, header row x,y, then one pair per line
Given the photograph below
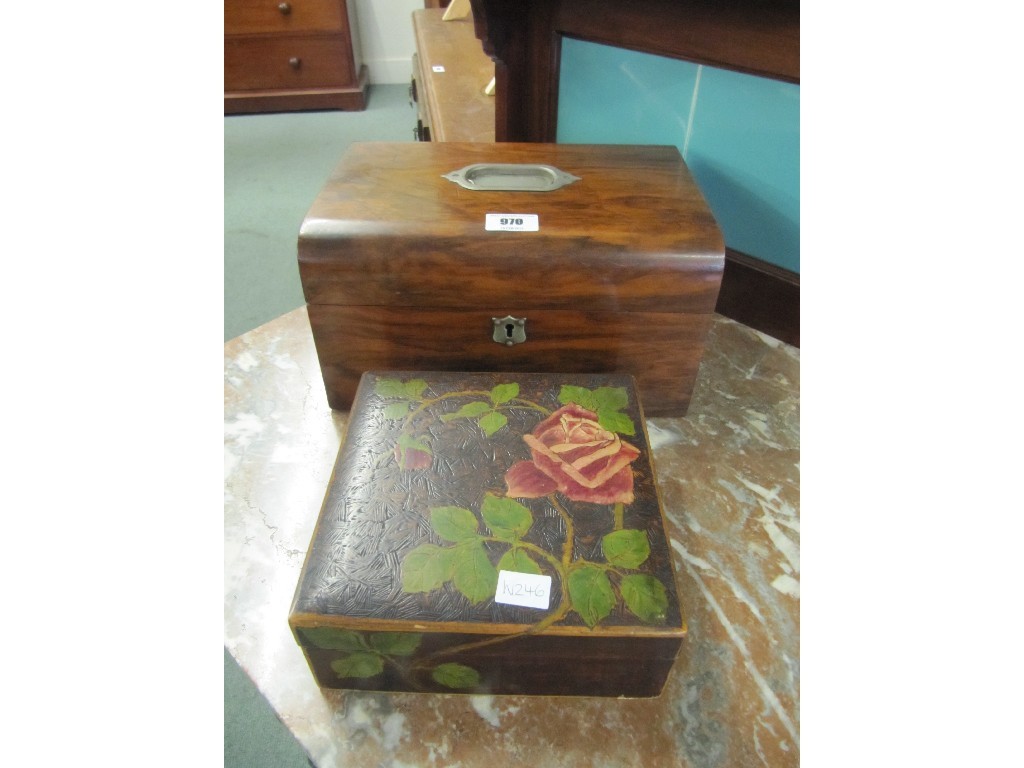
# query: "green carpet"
x,y
253,736
274,165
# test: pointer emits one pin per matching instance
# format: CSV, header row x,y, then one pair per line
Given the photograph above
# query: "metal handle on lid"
x,y
511,177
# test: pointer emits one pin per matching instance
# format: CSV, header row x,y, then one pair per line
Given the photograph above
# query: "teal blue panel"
x,y
614,96
744,151
741,142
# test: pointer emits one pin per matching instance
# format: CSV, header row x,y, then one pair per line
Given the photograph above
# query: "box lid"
x,y
446,480
633,233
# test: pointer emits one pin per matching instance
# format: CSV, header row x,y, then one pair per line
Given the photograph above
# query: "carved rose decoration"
x,y
574,455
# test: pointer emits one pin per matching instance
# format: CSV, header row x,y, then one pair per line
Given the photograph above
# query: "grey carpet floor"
x,y
274,165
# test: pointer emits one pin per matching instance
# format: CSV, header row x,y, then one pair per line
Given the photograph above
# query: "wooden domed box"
x,y
512,257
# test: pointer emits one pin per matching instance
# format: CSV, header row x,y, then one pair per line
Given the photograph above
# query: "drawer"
x,y
252,17
286,62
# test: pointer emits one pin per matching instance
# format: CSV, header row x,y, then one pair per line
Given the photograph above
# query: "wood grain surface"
x,y
633,234
662,350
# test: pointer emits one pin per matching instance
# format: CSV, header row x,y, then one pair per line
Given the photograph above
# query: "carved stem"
x,y
532,548
570,533
427,403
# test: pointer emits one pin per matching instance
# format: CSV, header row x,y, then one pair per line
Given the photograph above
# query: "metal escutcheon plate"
x,y
509,330
511,177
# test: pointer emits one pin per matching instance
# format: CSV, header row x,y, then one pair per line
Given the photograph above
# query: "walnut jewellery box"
x,y
491,533
512,257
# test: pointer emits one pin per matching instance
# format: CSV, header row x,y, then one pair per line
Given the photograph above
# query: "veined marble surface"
x,y
729,475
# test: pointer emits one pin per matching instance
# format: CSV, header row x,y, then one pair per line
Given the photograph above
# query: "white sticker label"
x,y
437,68
526,589
512,222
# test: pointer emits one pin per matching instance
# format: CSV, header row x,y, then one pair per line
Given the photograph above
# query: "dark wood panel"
x,y
760,37
761,295
662,350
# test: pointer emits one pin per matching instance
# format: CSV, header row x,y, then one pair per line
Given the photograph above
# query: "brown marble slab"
x,y
729,479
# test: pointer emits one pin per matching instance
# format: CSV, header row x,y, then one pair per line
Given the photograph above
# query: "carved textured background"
x,y
375,512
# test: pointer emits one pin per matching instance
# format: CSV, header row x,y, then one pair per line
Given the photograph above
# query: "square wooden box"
x,y
617,271
458,496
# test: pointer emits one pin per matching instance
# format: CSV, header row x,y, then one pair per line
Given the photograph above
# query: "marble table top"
x,y
729,475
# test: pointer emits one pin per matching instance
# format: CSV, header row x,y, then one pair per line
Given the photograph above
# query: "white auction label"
x,y
528,590
438,68
512,222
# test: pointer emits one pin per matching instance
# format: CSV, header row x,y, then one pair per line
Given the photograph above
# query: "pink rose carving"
x,y
575,455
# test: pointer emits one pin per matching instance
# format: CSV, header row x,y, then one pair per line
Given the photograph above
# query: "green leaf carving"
x,y
507,518
517,561
395,643
468,411
473,575
453,523
414,388
427,567
397,410
611,398
390,388
492,422
591,593
334,639
645,597
358,665
504,392
582,396
627,548
614,421
410,390
452,675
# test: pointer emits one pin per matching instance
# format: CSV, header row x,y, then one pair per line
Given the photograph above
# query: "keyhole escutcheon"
x,y
509,330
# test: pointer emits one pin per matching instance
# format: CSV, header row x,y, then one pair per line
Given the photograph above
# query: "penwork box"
x,y
491,533
512,257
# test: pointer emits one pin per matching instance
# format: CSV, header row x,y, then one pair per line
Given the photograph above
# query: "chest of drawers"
x,y
288,55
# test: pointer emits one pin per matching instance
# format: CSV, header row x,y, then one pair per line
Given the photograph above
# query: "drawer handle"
x,y
294,62
284,8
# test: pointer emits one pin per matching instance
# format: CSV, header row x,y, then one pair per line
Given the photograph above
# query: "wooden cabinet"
x,y
288,55
450,73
